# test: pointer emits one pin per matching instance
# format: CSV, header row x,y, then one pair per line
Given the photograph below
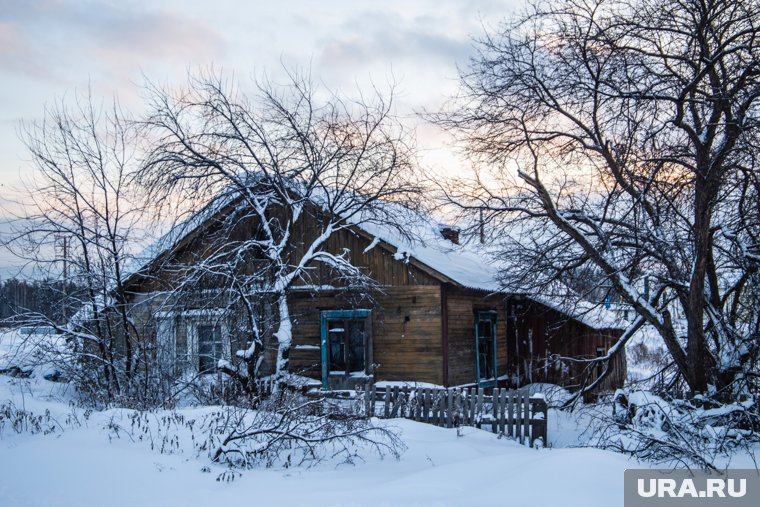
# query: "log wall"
x,y
462,304
403,350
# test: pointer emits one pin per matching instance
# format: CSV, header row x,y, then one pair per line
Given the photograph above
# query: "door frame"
x,y
326,315
490,316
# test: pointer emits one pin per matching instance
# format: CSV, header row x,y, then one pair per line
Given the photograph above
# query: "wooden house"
x,y
438,315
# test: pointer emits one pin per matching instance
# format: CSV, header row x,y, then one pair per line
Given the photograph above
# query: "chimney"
x,y
450,233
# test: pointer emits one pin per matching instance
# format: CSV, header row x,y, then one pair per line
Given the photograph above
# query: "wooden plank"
x,y
457,394
426,416
479,408
465,394
433,403
450,408
387,400
518,418
510,415
464,407
395,402
473,406
495,410
437,407
538,421
502,403
526,421
441,408
372,397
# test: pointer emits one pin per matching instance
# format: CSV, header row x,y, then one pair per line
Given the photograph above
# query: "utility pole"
x,y
481,227
65,259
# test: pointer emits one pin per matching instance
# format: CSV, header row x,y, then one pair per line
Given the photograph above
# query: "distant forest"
x,y
22,300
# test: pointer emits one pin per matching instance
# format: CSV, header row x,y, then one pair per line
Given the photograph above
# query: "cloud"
x,y
376,36
17,54
45,38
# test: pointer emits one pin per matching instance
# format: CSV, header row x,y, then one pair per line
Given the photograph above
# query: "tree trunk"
x,y
284,335
697,352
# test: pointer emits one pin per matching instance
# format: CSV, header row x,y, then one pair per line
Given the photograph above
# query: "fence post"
x,y
526,418
434,407
502,400
463,399
539,426
518,417
495,410
479,408
449,408
394,402
426,417
438,408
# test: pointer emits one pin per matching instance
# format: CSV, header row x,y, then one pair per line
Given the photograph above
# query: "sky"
x,y
52,49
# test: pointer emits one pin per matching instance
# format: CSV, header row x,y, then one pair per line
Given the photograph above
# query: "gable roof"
x,y
470,266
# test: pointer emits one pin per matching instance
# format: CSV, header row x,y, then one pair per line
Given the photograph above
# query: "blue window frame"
x,y
485,347
343,342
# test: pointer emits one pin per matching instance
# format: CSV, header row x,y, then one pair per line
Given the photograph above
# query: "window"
x,y
345,343
208,339
191,340
485,343
210,347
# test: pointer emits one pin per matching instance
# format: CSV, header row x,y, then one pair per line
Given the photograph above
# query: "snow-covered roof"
x,y
473,265
469,265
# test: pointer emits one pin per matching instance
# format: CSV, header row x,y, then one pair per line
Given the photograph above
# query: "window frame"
x,y
189,319
192,319
215,341
492,317
327,315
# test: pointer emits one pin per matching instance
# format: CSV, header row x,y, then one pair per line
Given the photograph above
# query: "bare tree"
x,y
306,430
264,165
625,132
80,216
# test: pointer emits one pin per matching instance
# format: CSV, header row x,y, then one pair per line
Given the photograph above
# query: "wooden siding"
x,y
461,306
378,262
537,336
402,350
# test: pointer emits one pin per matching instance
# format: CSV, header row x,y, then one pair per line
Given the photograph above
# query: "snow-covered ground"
x,y
85,461
83,466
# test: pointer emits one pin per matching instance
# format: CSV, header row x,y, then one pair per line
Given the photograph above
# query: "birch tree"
x,y
626,132
275,158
